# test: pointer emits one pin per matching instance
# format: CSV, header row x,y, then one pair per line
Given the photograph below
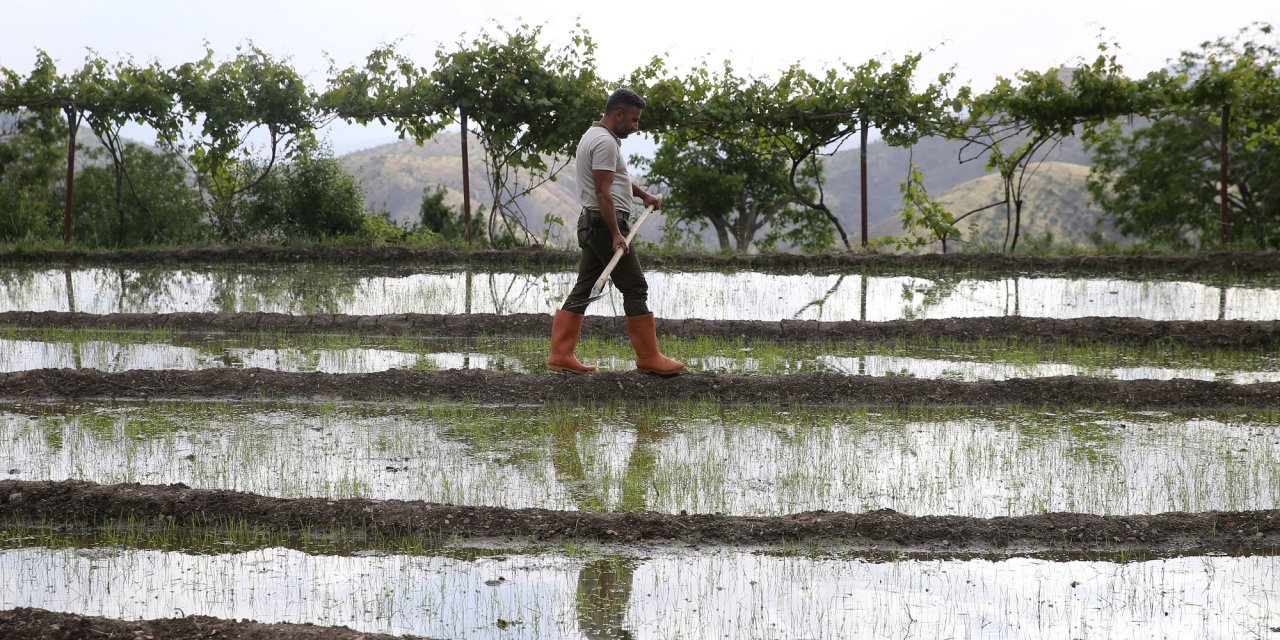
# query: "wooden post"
x,y
1226,115
72,122
466,181
863,162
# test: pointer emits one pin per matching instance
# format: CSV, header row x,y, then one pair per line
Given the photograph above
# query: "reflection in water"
x,y
706,593
735,460
707,295
522,356
605,585
604,591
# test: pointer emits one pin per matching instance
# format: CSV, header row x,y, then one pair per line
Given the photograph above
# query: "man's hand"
x,y
651,200
620,242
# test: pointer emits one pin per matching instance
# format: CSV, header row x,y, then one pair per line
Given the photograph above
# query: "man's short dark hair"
x,y
623,98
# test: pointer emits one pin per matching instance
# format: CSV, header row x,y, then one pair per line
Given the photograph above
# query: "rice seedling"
x,y
720,592
699,457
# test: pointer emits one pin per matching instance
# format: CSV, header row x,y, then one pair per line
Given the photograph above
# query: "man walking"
x,y
605,191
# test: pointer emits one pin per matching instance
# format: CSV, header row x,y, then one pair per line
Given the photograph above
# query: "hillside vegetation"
x,y
1057,202
394,175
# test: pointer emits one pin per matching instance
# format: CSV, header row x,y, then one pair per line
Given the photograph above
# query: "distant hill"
x,y
939,160
1056,202
394,176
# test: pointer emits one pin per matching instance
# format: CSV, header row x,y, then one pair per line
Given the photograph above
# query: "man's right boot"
x,y
564,338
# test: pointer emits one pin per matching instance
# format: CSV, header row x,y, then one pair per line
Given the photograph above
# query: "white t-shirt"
x,y
599,149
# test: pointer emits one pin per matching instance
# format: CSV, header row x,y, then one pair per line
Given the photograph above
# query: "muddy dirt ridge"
x,y
1205,333
39,624
1205,263
495,387
75,503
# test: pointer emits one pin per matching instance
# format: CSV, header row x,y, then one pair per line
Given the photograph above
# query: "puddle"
x,y
707,295
702,458
662,594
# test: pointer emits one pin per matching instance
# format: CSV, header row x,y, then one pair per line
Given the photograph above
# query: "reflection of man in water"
x,y
604,585
604,591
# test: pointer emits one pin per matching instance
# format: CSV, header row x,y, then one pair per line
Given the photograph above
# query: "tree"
x,y
736,189
526,103
160,207
30,176
102,94
46,92
1017,122
798,116
110,95
220,107
1161,182
310,197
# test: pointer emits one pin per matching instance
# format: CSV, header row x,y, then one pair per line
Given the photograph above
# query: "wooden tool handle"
x,y
617,253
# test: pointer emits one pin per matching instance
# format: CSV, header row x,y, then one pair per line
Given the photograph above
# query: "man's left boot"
x,y
644,339
564,339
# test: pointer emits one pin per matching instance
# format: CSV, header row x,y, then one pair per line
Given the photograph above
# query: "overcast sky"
x,y
981,39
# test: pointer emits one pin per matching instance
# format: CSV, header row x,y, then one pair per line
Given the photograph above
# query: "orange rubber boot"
x,y
564,338
644,339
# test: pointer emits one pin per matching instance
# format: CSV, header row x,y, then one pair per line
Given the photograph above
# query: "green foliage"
x,y
443,220
738,190
390,88
678,236
739,139
311,197
803,229
798,115
32,153
1161,182
377,229
525,102
924,219
224,103
158,205
1019,120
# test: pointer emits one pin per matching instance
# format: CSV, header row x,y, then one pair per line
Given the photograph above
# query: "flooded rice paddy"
x,y
706,295
720,593
698,458
695,458
117,351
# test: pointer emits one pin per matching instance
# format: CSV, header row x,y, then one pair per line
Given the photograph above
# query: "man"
x,y
605,191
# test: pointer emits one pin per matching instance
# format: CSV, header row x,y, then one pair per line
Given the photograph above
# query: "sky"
x,y
979,41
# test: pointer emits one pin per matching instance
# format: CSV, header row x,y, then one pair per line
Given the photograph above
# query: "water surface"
x,y
698,458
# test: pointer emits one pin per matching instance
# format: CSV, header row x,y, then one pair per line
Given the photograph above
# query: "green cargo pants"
x,y
597,250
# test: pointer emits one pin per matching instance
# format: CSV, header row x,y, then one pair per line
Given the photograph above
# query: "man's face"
x,y
625,121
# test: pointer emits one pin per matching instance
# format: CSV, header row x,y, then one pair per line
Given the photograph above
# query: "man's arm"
x,y
603,179
647,198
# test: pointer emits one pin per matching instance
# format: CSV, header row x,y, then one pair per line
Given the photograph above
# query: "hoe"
x,y
597,291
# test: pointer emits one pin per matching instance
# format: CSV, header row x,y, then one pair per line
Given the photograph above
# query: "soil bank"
x,y
496,387
74,502
1205,333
